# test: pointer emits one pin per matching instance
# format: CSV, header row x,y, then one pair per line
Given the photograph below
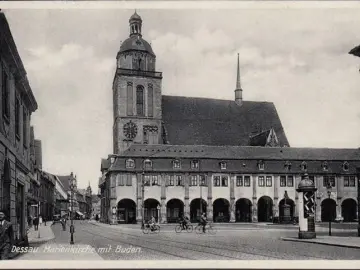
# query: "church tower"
x,y
136,92
238,90
88,190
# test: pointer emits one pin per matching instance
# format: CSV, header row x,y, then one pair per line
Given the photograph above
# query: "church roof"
x,y
64,179
204,121
355,51
136,43
240,152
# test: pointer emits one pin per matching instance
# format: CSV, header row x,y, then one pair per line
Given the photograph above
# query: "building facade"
x,y
165,146
96,207
47,191
61,199
17,105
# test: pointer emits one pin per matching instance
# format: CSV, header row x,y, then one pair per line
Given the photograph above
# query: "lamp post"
x,y
158,208
72,187
142,198
329,195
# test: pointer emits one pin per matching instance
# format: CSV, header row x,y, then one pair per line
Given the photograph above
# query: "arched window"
x,y
303,166
130,99
345,166
140,100
150,100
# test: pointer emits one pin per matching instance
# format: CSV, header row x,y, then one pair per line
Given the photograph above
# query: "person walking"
x,y
36,223
203,221
6,237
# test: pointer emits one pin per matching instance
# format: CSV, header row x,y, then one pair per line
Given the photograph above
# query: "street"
x,y
231,242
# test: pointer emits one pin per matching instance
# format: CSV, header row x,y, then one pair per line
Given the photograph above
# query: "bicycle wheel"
x,y
178,228
156,229
211,230
145,230
199,229
189,228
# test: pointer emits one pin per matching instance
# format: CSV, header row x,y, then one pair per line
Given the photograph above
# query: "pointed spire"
x,y
238,84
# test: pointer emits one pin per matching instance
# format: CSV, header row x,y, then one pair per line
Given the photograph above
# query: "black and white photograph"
x,y
162,132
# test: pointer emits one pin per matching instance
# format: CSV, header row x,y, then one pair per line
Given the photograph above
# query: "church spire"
x,y
238,90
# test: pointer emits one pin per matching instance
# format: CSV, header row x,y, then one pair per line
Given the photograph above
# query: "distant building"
x,y
47,191
17,103
65,181
61,199
96,207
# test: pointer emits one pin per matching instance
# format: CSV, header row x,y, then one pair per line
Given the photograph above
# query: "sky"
x,y
296,58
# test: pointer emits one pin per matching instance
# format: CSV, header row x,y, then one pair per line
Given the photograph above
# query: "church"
x,y
175,155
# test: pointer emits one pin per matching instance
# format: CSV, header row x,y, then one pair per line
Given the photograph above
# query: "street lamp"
x,y
158,208
328,188
142,198
72,188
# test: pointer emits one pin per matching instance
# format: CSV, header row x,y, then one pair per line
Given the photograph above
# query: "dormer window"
x,y
130,164
147,164
287,165
325,166
222,165
176,164
303,166
346,166
261,165
194,164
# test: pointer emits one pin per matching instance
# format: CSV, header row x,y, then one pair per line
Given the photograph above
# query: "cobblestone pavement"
x,y
249,243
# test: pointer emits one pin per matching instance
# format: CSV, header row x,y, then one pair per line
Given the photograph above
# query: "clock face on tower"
x,y
130,130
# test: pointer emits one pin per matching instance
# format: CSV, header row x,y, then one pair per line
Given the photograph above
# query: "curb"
x,y
319,243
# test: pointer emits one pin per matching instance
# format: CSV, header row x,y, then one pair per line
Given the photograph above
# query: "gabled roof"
x,y
238,152
195,121
64,179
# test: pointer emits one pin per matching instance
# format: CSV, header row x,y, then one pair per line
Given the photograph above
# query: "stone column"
x,y
163,199
338,209
254,198
232,199
276,198
139,198
186,197
209,201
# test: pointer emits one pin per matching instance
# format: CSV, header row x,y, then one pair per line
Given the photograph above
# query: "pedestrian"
x,y
36,223
40,220
6,237
44,221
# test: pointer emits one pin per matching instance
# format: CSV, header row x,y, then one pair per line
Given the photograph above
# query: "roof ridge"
x,y
208,98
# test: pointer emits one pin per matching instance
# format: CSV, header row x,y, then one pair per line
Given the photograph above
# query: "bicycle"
x,y
179,228
208,228
147,229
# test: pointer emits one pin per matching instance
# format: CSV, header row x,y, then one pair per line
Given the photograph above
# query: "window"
x,y
287,165
223,165
346,166
25,139
130,99
216,181
247,181
193,180
5,94
303,166
150,100
17,117
329,179
170,180
130,163
176,164
135,63
179,181
129,180
349,181
261,165
140,100
325,166
147,180
239,181
261,181
268,181
290,181
282,181
194,164
154,181
202,180
224,181
148,164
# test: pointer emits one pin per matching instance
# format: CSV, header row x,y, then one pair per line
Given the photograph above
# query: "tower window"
x,y
135,63
150,100
140,100
130,99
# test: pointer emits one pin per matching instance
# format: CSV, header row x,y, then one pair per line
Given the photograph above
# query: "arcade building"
x,y
231,159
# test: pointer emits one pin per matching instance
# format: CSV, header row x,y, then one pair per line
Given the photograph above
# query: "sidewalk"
x,y
43,235
349,242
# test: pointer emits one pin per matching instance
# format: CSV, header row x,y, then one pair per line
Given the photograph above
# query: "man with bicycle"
x,y
152,223
184,221
203,221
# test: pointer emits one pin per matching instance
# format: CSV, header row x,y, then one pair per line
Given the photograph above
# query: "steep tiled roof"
x,y
64,179
240,152
195,121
